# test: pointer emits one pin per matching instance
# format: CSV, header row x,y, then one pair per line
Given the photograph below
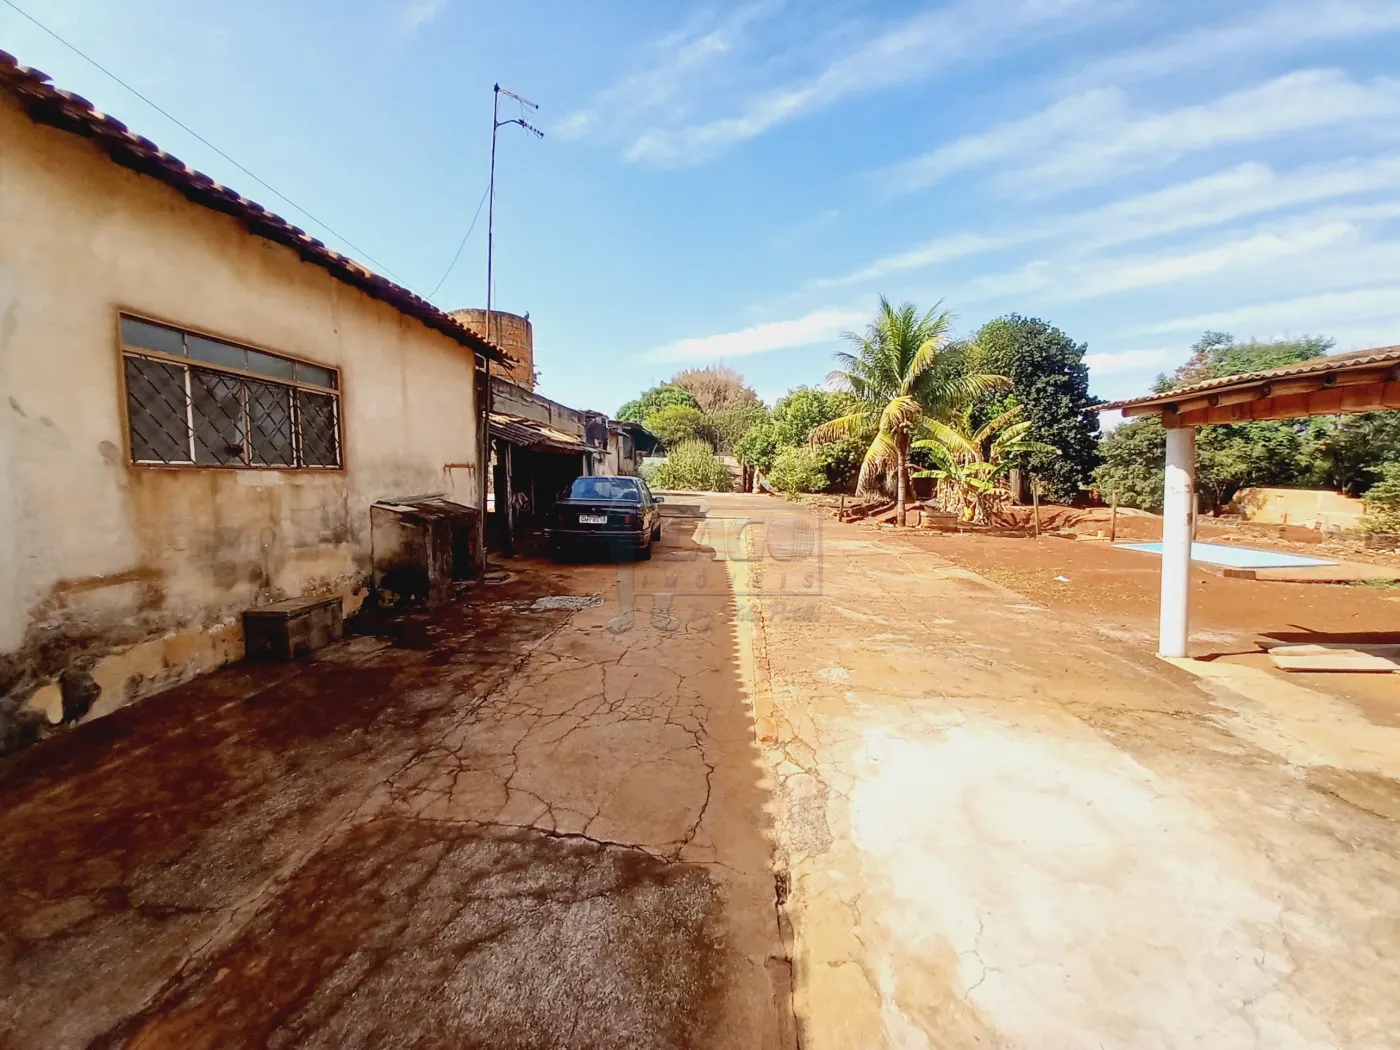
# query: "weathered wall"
x,y
1310,508
513,334
142,572
513,399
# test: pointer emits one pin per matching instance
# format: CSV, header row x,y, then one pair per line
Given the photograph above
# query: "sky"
x,y
740,182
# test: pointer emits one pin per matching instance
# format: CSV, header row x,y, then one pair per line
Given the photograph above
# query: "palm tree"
x,y
902,382
970,464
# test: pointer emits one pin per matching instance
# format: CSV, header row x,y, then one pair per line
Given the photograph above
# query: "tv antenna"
x,y
496,125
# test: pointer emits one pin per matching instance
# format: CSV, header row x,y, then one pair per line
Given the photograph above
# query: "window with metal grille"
x,y
200,401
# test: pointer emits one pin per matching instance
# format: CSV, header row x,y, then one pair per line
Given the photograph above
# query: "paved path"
x,y
1004,830
524,821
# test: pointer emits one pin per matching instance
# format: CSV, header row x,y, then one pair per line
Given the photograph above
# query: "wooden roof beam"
x,y
1335,400
1266,390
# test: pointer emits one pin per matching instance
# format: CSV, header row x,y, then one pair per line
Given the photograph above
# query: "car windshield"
x,y
623,489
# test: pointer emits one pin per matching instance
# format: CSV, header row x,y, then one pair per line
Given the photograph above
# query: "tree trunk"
x,y
900,490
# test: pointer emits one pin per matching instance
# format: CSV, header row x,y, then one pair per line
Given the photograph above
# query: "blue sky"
x,y
739,182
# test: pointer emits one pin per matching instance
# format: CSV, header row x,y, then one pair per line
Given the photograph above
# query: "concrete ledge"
x,y
1343,572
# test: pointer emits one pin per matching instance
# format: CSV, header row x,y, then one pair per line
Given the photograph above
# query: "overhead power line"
x,y
180,123
453,264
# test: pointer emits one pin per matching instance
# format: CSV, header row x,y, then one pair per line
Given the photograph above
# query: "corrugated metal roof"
x,y
61,109
531,433
1356,359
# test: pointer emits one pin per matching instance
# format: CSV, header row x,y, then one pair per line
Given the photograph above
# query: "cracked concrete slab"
x,y
536,817
1002,829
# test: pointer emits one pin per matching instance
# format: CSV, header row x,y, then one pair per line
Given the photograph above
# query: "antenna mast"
x,y
485,445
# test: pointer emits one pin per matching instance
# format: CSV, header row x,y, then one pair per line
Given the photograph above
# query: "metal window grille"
x,y
180,413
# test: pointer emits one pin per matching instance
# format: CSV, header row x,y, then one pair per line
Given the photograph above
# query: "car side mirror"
x,y
659,499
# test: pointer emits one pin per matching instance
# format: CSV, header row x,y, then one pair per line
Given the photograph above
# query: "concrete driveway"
x,y
1002,828
530,819
829,786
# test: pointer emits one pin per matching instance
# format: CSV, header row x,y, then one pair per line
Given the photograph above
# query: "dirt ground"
x,y
1118,592
534,817
1004,826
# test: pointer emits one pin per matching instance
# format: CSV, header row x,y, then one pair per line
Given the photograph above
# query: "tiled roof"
x,y
1356,359
61,109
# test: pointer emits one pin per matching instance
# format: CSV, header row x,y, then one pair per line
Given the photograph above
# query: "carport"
x,y
1361,381
532,463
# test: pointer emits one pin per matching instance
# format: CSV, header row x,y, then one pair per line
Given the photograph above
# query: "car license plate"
x,y
592,519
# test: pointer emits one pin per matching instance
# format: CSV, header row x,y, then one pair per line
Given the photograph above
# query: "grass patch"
x,y
1375,583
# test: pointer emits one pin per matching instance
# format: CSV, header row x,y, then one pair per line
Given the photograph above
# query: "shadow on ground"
x,y
501,824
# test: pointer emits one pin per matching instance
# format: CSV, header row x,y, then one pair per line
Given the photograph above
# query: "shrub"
x,y
693,465
797,469
676,424
1383,501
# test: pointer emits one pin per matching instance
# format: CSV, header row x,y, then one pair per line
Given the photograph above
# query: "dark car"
x,y
612,512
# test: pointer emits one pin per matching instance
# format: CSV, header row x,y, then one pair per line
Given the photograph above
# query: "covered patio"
x,y
1361,381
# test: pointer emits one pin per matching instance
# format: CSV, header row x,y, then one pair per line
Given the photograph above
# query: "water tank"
x,y
513,334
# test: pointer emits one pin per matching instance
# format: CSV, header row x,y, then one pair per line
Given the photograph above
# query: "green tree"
x,y
1216,355
1228,458
1383,501
730,424
1349,453
676,424
900,379
693,466
1134,458
654,400
1050,382
797,468
1237,455
791,423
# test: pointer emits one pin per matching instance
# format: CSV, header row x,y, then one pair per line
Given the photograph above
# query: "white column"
x,y
1177,507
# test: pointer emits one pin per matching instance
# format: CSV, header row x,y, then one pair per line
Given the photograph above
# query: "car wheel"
x,y
656,533
644,552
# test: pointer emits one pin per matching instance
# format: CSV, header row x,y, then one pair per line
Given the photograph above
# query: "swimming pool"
x,y
1235,557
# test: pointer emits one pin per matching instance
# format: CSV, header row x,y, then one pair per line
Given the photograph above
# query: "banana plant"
x,y
971,465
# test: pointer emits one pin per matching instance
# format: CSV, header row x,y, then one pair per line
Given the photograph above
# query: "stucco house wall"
x,y
136,575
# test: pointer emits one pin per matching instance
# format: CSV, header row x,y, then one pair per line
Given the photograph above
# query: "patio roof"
x,y
1360,381
530,433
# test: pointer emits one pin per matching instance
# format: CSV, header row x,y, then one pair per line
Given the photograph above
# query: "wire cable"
x,y
453,264
176,120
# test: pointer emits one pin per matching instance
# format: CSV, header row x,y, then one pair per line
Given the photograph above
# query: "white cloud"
x,y
680,65
1094,137
669,93
1130,360
1059,280
1333,248
1273,30
1213,200
815,327
419,13
1350,315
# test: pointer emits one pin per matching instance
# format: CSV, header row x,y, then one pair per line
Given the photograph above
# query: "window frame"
x,y
294,385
